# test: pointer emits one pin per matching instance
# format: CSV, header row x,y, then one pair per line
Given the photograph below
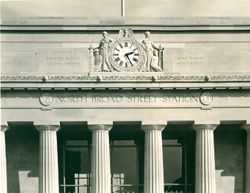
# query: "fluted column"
x,y
3,172
205,181
48,179
100,163
153,166
247,189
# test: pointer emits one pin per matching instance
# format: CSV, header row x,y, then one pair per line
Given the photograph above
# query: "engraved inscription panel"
x,y
187,60
60,56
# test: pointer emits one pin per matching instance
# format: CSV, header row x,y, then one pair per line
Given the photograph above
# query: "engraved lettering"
x,y
63,60
71,99
116,98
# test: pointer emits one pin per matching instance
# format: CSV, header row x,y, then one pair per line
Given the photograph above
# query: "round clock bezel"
x,y
141,57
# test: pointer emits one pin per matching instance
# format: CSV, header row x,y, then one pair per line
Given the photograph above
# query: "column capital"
x,y
47,127
4,128
246,127
152,127
200,127
105,127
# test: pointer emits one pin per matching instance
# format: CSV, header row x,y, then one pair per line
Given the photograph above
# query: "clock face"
x,y
126,55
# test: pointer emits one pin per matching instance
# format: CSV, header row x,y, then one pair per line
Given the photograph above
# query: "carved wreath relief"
x,y
126,54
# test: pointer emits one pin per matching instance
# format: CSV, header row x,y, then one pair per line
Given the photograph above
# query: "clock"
x,y
127,55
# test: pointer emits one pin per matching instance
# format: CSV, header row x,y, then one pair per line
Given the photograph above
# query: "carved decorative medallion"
x,y
46,99
126,54
206,98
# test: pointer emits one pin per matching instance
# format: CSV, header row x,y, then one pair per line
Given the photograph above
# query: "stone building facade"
x,y
125,105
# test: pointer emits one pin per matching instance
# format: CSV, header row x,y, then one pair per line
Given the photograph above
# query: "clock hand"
x,y
129,53
128,60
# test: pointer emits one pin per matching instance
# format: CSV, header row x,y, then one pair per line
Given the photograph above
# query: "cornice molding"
x,y
114,23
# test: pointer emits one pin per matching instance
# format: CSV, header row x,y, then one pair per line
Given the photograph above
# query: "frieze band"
x,y
113,78
47,99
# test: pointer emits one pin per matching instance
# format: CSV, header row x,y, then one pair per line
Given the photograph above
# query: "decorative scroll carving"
x,y
21,77
125,33
123,77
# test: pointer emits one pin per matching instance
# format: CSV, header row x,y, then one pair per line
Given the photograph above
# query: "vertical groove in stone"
x,y
205,160
100,164
48,177
153,167
213,176
3,169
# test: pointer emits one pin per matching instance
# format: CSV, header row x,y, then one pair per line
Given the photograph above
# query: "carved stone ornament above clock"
x,y
126,54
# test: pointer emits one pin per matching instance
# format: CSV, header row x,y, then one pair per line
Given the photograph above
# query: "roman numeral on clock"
x,y
121,45
117,59
135,59
121,63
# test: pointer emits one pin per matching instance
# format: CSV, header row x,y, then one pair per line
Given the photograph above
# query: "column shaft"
x,y
3,169
100,164
48,179
205,161
153,166
247,181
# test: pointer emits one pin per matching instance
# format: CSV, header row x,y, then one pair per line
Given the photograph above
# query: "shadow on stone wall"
x,y
229,155
22,149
